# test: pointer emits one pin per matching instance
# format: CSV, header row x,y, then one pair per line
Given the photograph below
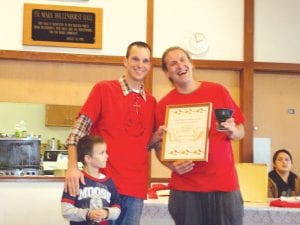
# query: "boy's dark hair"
x,y
282,151
138,44
85,146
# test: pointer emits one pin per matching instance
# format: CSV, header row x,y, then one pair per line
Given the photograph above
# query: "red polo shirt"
x,y
126,124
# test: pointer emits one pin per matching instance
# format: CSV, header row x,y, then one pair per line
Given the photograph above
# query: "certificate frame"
x,y
187,136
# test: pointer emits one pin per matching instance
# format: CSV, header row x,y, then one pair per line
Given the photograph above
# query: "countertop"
x,y
44,178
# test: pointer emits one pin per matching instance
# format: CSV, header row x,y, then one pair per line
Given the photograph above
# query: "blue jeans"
x,y
131,211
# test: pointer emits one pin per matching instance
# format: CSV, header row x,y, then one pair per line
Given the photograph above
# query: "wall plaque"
x,y
62,26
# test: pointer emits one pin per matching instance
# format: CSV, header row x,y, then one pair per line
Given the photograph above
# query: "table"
x,y
155,212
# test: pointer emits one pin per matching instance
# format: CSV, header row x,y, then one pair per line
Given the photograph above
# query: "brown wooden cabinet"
x,y
61,115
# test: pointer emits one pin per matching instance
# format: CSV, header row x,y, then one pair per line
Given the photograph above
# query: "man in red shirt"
x,y
202,193
123,114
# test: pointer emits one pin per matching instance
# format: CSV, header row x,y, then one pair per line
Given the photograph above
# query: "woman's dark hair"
x,y
85,146
281,151
140,44
163,58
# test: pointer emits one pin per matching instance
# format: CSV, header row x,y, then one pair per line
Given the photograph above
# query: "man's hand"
x,y
72,178
157,137
181,166
234,132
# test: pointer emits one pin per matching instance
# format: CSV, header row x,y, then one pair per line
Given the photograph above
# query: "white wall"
x,y
34,117
220,21
122,24
31,203
277,31
276,27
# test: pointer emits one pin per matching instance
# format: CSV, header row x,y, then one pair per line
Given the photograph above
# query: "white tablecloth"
x,y
155,212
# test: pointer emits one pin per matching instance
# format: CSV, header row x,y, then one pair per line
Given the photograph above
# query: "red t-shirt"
x,y
218,173
126,124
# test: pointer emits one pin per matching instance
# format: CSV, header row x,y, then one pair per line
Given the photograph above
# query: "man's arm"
x,y
80,128
73,174
157,137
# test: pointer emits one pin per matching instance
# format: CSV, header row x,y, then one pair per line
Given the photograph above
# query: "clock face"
x,y
197,43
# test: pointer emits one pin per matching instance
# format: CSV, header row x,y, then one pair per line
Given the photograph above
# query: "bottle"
x,y
20,129
53,144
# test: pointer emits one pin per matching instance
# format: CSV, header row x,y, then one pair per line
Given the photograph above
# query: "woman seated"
x,y
282,182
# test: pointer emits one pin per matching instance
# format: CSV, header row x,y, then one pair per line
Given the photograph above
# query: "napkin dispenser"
x,y
55,159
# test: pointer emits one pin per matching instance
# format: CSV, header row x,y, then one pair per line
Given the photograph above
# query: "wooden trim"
x,y
60,57
149,39
246,92
118,60
276,67
149,78
248,30
247,83
218,64
210,64
150,13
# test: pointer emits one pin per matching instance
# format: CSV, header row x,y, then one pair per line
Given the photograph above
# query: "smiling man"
x,y
123,114
202,193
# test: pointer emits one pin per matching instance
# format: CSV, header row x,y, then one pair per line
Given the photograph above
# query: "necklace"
x,y
136,104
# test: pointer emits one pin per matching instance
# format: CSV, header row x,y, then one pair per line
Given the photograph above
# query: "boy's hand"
x,y
98,215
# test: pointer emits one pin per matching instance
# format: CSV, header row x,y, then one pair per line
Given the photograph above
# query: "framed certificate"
x,y
187,132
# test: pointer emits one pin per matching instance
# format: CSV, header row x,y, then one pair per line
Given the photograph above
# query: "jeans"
x,y
131,211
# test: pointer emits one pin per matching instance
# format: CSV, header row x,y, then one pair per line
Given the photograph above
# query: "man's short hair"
x,y
138,44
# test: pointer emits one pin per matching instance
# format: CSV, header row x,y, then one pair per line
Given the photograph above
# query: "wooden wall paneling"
x,y
247,82
247,66
248,30
288,68
149,40
149,78
61,57
246,95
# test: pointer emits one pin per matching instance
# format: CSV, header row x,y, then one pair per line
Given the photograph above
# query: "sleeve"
x,y
114,209
297,187
80,128
70,211
271,189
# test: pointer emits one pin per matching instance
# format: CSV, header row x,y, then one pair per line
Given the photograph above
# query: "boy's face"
x,y
99,156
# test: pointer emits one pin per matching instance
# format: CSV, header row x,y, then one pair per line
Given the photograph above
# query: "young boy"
x,y
98,200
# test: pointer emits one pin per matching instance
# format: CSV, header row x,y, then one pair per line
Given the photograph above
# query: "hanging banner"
x,y
62,26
